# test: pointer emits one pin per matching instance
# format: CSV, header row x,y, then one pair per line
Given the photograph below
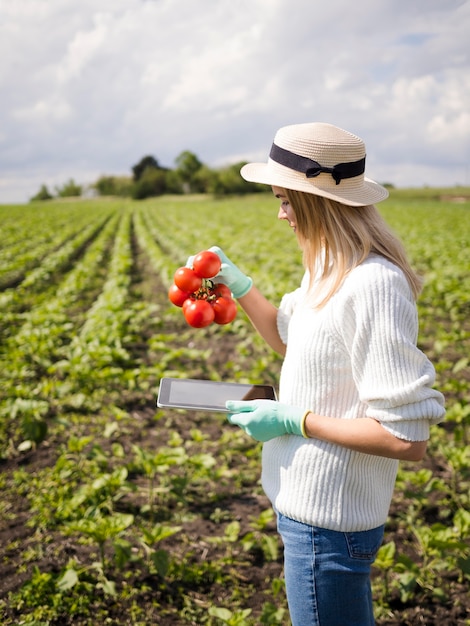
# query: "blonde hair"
x,y
335,238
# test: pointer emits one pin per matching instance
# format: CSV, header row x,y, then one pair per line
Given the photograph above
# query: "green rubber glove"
x,y
266,419
238,283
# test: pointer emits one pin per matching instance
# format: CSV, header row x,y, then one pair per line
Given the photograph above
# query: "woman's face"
x,y
286,212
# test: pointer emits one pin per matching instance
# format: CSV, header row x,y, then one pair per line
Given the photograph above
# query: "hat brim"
x,y
361,192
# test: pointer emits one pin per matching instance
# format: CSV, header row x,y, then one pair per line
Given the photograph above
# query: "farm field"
x,y
114,512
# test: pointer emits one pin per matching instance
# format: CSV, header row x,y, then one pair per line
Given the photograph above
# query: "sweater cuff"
x,y
282,325
411,421
413,430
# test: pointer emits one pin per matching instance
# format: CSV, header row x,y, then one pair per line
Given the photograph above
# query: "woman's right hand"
x,y
229,274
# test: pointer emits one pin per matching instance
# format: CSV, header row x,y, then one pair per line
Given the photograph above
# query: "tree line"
x,y
149,179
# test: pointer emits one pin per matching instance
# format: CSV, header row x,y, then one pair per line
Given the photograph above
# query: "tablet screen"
x,y
208,395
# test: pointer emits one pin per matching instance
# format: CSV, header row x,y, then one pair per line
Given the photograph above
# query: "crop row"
x,y
29,238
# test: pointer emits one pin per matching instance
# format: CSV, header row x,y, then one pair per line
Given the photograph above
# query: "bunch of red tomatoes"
x,y
203,301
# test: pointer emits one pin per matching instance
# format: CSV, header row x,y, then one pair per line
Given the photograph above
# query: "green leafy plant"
x,y
231,618
150,537
102,529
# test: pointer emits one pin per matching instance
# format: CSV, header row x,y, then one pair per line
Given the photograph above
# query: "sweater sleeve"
x,y
393,377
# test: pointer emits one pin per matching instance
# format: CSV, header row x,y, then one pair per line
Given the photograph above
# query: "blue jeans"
x,y
327,574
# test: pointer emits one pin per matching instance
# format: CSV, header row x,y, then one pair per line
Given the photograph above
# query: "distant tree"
x,y
204,180
42,194
114,186
144,163
151,183
105,186
70,189
190,176
187,166
173,182
229,180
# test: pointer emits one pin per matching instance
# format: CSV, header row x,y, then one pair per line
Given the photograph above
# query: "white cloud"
x,y
91,87
83,48
52,107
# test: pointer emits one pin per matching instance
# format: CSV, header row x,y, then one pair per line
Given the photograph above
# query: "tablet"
x,y
207,395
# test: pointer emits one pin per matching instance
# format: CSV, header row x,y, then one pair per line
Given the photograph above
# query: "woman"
x,y
355,392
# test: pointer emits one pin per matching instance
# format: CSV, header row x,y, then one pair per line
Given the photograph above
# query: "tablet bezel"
x,y
235,391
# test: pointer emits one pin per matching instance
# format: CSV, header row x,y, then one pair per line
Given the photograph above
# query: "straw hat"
x,y
320,159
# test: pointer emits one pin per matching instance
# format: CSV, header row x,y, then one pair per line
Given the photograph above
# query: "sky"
x,y
89,88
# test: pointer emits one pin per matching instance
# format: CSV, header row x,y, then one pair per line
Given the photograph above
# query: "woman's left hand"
x,y
266,419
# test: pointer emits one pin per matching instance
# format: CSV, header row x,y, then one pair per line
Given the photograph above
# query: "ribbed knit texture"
x,y
355,357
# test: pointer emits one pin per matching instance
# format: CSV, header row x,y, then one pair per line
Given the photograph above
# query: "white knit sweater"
x,y
355,357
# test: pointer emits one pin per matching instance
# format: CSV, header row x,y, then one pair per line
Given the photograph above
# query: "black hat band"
x,y
311,168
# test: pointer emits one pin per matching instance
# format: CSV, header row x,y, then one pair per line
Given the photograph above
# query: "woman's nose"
x,y
281,215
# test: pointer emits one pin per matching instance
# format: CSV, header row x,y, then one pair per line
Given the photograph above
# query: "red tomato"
x,y
206,264
187,280
177,296
198,313
186,303
225,310
222,290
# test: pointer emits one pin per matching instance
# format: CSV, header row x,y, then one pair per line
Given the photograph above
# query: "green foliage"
x,y
42,194
120,186
101,529
152,182
69,189
146,163
229,181
187,167
231,618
